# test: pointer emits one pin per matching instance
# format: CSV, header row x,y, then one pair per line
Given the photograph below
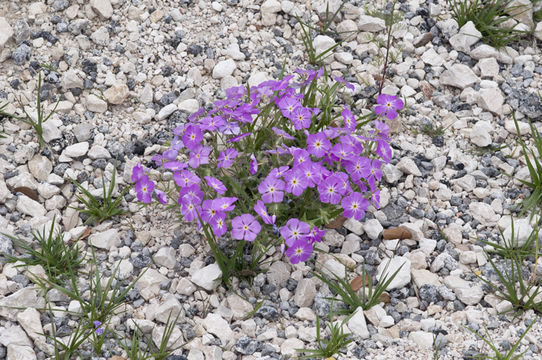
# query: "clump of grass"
x,y
348,293
56,257
329,345
510,354
533,159
489,17
102,209
523,292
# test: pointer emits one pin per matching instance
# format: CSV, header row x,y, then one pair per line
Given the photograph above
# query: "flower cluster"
x,y
259,161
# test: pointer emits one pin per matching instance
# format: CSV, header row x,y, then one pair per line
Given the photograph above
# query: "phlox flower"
x,y
318,144
245,227
343,180
375,198
271,189
287,105
211,123
343,81
373,173
99,330
199,156
353,142
283,134
301,118
185,178
357,167
144,188
192,136
216,184
342,151
190,207
238,137
383,149
349,119
218,224
192,193
161,196
300,156
137,172
354,205
296,182
330,190
294,230
196,115
388,106
278,172
253,164
175,165
299,251
170,154
229,128
315,235
224,203
207,211
225,158
261,210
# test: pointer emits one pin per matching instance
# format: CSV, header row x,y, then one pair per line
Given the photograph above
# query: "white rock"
x,y
166,111
257,78
333,238
334,268
25,297
480,134
116,94
510,126
388,267
100,36
146,94
4,191
234,52
467,183
305,293
165,257
375,314
458,75
488,67
18,352
71,80
537,31
354,226
189,105
102,8
105,239
484,213
372,228
30,207
522,11
422,339
449,27
125,269
519,236
175,339
323,43
289,347
29,319
95,104
98,152
491,99
278,273
224,68
469,293
40,167
370,24
358,325
484,51
216,325
347,29
149,283
169,308
391,173
240,307
344,57
14,335
468,35
76,150
208,277
6,32
386,321
422,277
408,166
431,57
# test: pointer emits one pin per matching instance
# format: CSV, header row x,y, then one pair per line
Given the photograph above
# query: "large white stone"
x,y
491,99
100,36
208,277
484,213
25,297
422,338
522,11
30,207
240,307
431,57
165,257
358,325
519,236
323,43
216,325
189,105
40,167
117,93
468,35
105,239
95,104
469,293
102,8
372,228
166,111
388,267
224,68
6,32
408,166
71,80
370,23
458,75
76,150
480,134
537,31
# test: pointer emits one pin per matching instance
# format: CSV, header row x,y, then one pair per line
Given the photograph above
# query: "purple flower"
x,y
211,123
224,203
342,81
99,331
354,205
357,167
287,105
216,184
189,208
375,198
218,224
282,133
383,149
199,156
299,251
296,182
253,165
311,75
175,165
185,178
294,230
271,189
245,227
278,172
137,172
330,190
170,154
191,193
342,151
225,158
261,210
238,137
316,235
207,211
192,136
349,119
388,106
301,118
318,144
161,196
144,188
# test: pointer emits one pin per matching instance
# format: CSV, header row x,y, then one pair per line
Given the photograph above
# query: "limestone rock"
x,y
224,68
208,277
40,167
370,24
468,293
6,32
519,236
480,134
468,35
458,75
102,8
491,99
30,207
358,325
95,104
216,325
116,94
105,240
388,267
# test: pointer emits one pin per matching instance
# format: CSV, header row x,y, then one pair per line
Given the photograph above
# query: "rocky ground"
x,y
127,72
